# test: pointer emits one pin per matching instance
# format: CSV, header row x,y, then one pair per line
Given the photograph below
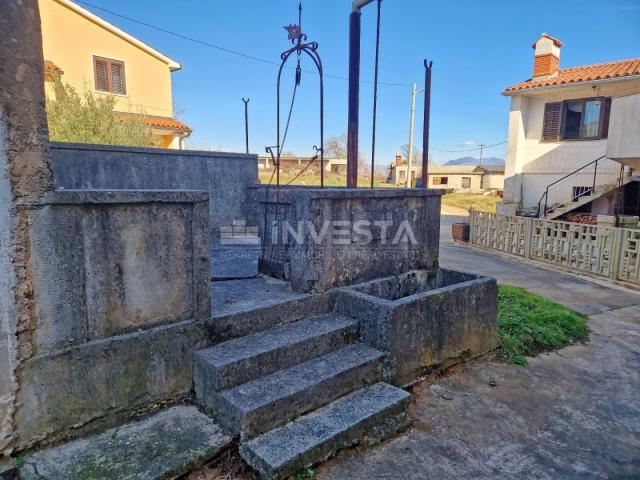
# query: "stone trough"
x,y
423,319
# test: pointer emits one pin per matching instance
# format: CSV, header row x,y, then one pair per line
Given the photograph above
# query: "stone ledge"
x,y
74,197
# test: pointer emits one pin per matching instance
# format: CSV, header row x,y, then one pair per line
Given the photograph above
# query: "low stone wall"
x,y
121,289
323,238
424,320
225,176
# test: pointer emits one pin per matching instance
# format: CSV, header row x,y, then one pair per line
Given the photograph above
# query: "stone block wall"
x,y
121,288
225,176
324,238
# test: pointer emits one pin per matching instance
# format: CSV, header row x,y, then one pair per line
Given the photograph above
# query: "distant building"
x,y
574,137
296,164
87,52
462,178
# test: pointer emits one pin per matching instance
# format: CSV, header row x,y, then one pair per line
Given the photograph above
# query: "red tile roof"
x,y
585,73
156,121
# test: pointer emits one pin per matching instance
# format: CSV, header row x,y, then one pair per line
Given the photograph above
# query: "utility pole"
x,y
414,92
481,145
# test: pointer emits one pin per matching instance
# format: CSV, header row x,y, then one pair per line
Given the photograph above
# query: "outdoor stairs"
x,y
298,392
560,209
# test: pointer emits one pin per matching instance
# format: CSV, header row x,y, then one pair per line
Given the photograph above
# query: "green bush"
x,y
529,324
90,118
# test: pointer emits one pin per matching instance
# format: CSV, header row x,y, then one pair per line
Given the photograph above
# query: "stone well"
x,y
320,238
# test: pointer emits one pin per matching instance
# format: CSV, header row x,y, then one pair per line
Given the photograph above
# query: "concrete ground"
x,y
574,413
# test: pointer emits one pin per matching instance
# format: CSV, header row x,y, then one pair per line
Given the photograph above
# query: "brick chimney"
x,y
546,60
399,159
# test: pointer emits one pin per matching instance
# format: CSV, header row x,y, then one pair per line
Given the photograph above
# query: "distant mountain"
x,y
476,161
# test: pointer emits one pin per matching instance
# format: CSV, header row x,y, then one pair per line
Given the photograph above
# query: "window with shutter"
x,y
109,75
551,122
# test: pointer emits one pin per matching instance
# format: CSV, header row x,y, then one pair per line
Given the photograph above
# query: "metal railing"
x,y
542,211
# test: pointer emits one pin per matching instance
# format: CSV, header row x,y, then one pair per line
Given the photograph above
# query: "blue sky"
x,y
477,47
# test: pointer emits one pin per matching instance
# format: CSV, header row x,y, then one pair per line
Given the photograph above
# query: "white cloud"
x,y
469,142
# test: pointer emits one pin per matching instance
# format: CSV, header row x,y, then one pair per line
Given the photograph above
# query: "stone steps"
x,y
237,361
268,402
377,412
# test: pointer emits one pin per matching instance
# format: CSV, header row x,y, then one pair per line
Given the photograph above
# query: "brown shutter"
x,y
605,117
117,78
101,74
551,123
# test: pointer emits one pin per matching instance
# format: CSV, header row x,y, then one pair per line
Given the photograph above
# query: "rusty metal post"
x,y
425,129
246,124
354,95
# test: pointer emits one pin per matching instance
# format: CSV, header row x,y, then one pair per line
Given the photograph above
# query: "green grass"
x,y
529,324
313,179
471,200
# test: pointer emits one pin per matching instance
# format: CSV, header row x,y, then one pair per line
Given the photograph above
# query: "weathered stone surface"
x,y
377,411
238,361
260,405
330,251
161,446
424,319
107,263
61,392
234,261
24,176
225,176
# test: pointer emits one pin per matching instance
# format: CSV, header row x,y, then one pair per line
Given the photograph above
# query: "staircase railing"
x,y
544,210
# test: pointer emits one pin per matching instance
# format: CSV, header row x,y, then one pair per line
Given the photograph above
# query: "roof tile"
x,y
600,71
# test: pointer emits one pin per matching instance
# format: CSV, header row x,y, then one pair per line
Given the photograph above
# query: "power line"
x,y
475,149
224,49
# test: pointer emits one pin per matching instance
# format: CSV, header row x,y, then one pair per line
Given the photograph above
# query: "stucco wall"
x,y
225,176
624,137
72,48
532,164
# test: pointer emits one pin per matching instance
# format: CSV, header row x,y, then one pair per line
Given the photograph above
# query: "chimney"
x,y
399,160
546,60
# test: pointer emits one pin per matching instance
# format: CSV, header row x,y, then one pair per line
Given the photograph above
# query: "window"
x,y
402,175
440,180
466,182
580,192
109,75
580,119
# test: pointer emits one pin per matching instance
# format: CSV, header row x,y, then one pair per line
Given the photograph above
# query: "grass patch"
x,y
529,324
313,179
467,201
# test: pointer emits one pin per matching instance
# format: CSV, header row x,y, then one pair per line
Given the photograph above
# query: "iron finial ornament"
x,y
300,45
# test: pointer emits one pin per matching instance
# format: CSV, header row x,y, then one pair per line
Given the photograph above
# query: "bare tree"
x,y
336,146
417,153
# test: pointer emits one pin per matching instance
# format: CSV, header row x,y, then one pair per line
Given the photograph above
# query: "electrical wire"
x,y
475,149
224,49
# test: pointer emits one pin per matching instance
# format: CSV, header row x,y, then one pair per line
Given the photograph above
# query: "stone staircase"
x,y
296,393
560,209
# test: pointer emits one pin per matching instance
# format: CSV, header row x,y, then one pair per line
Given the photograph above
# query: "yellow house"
x,y
91,53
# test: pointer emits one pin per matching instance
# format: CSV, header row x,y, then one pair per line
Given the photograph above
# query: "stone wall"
x,y
24,176
324,238
120,285
225,176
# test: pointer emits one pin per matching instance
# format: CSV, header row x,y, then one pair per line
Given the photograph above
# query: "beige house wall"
x,y
148,78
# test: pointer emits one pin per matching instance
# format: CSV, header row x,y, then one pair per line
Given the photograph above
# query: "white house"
x,y
460,178
562,125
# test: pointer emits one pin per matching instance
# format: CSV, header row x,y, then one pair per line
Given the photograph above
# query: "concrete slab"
x,y
234,296
164,445
234,261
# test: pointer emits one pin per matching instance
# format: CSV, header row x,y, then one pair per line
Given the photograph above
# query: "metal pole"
x,y
354,94
375,97
246,124
410,153
425,127
481,145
